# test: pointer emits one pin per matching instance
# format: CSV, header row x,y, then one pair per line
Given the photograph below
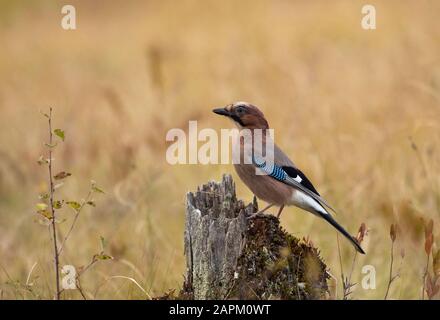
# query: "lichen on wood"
x,y
229,256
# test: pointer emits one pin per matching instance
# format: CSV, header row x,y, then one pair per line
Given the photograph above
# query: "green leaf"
x,y
103,256
58,204
91,203
43,196
53,145
59,133
96,189
62,175
41,206
103,243
74,205
44,114
42,161
45,213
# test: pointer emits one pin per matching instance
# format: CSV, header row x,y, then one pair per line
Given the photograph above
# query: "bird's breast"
x,y
264,187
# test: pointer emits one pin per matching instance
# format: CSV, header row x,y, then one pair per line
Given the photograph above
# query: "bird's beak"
x,y
222,112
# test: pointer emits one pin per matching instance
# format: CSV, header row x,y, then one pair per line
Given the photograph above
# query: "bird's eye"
x,y
240,110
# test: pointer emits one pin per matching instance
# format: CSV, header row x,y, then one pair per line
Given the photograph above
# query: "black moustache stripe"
x,y
237,119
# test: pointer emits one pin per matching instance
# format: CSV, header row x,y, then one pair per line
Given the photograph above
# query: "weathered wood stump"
x,y
231,257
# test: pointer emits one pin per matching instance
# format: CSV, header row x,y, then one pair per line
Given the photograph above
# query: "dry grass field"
x,y
357,110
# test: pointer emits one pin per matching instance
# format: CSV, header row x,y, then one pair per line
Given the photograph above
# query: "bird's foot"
x,y
259,213
256,214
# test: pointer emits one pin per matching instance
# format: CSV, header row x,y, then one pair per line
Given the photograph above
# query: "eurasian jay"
x,y
282,183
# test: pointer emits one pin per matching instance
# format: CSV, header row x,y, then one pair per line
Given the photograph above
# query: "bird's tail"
x,y
338,227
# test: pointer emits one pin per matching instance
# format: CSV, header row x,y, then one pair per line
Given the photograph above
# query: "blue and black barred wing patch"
x,y
299,176
297,180
281,173
271,169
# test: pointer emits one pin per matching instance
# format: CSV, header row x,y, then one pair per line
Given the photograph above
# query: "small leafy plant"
x,y
50,205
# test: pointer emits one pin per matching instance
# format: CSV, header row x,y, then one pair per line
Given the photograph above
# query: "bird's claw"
x,y
254,215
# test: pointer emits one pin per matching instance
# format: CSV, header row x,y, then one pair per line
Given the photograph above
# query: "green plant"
x,y
49,205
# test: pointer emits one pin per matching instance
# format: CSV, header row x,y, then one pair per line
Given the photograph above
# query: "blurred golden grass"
x,y
343,102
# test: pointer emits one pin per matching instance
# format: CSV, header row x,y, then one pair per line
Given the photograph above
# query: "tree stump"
x,y
231,257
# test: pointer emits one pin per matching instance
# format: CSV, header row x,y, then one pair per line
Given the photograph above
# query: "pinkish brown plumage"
x,y
284,184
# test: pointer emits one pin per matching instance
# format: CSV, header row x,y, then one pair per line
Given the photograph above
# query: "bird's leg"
x,y
261,211
279,211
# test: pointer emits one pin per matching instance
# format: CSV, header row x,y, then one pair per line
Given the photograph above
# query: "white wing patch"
x,y
306,202
298,179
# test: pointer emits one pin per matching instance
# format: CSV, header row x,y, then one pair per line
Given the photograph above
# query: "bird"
x,y
282,183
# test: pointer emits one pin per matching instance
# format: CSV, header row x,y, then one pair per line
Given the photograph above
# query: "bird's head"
x,y
244,115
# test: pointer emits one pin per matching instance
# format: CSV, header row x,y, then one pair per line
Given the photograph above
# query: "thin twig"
x,y
297,271
352,266
78,285
344,289
74,221
87,267
424,278
80,273
52,210
391,271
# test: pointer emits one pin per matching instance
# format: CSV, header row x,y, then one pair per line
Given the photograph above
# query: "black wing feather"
x,y
293,172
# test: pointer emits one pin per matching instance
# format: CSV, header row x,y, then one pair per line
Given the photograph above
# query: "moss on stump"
x,y
231,257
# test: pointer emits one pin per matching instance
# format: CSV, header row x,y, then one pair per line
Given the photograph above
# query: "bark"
x,y
231,257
